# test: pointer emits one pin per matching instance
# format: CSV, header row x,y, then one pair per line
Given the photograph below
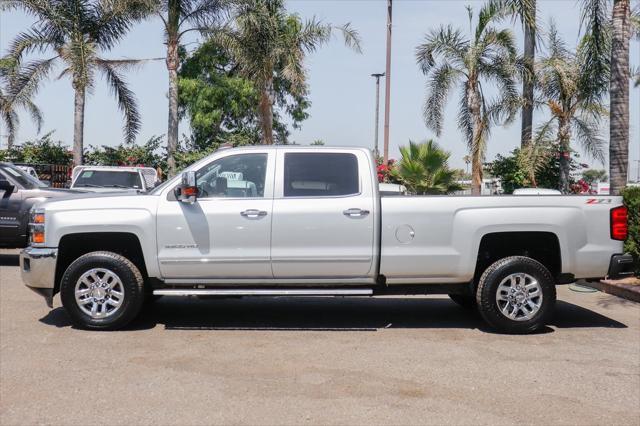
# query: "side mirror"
x,y
6,186
187,191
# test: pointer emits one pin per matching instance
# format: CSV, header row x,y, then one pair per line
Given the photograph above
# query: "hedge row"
x,y
632,245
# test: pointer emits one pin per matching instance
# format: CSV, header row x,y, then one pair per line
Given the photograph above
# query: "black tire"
x,y
465,301
488,287
132,285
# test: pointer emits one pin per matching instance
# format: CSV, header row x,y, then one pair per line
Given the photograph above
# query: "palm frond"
x,y
442,78
588,135
126,101
445,42
24,83
595,48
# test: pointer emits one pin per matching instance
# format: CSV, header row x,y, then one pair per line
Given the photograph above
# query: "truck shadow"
x,y
9,260
327,314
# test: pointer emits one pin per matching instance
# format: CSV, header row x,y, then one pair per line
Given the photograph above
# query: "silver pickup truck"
x,y
295,221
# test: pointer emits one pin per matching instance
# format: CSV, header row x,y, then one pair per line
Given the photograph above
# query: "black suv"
x,y
18,193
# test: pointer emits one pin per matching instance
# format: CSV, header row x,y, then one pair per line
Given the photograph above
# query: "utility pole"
x,y
387,87
375,145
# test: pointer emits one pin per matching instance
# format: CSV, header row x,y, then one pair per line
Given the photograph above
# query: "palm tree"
x,y
267,42
449,59
76,33
575,105
9,105
619,96
180,17
424,169
526,11
608,32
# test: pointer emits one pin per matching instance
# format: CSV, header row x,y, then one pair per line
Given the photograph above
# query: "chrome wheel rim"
x,y
519,297
99,293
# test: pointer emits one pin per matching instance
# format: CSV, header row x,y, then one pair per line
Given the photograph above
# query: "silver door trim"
x,y
197,261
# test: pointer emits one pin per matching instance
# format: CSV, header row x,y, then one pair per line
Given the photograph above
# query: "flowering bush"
x,y
386,172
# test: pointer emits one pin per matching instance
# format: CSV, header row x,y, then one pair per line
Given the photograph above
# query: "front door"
x,y
323,215
226,233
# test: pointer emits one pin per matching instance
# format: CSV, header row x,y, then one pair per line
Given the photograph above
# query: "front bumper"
x,y
38,269
621,266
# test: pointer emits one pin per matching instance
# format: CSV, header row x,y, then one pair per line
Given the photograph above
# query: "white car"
x,y
113,178
30,171
309,221
536,191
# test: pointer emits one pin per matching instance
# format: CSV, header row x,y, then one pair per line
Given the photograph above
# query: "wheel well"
x,y
541,246
72,246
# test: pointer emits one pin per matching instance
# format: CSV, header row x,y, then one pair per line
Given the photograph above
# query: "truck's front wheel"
x,y
516,295
102,291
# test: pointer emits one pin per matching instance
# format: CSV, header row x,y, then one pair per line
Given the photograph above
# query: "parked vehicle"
x,y
29,170
113,179
300,221
391,189
536,191
19,192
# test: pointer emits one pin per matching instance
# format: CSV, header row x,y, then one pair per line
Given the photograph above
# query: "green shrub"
x,y
631,197
43,150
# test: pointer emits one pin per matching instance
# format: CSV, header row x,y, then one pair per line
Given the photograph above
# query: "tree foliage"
x,y
148,154
424,169
593,175
515,170
631,196
269,46
575,106
449,58
222,105
43,150
75,34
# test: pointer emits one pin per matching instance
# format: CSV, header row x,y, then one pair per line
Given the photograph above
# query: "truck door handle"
x,y
355,212
253,213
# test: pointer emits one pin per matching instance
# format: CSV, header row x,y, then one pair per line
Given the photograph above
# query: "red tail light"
x,y
619,227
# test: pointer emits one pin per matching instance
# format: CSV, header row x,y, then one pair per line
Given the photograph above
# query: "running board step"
x,y
261,292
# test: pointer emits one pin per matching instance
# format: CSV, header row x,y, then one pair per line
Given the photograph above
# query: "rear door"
x,y
323,215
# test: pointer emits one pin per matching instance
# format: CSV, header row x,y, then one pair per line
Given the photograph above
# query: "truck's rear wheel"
x,y
102,291
516,295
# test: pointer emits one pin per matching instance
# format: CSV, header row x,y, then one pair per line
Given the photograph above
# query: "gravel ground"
x,y
416,360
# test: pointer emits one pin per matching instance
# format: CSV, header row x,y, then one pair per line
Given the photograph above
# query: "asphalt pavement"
x,y
414,360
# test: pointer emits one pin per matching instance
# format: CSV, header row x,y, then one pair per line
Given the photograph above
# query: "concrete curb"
x,y
618,288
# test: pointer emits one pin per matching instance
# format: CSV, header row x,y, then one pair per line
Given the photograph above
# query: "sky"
x,y
342,92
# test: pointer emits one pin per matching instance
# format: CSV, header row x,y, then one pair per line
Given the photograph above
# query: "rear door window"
x,y
320,174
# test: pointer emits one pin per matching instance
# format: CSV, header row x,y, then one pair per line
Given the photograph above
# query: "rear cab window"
x,y
315,174
108,179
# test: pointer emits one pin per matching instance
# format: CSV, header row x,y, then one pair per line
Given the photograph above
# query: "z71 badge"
x,y
599,201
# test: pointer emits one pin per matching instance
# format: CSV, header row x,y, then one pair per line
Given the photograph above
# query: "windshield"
x,y
107,179
22,178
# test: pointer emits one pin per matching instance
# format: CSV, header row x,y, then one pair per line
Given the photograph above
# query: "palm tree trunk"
x,y
527,83
619,92
564,138
172,131
78,126
473,99
266,113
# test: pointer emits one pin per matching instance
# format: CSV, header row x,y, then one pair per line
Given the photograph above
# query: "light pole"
x,y
387,87
377,77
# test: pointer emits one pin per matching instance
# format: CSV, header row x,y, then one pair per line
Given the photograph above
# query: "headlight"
x,y
36,227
